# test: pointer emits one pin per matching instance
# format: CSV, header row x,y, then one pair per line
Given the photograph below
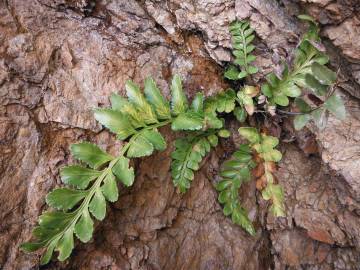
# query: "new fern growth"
x,y
136,120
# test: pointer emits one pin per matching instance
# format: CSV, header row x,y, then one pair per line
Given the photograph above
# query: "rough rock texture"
x,y
61,58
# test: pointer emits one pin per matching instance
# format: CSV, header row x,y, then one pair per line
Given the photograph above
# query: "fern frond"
x,y
56,228
264,146
235,172
309,72
242,37
188,154
136,119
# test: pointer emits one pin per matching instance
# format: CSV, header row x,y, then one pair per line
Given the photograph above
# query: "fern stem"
x,y
245,50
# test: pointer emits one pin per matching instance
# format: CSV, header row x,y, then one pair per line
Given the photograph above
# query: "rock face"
x,y
61,58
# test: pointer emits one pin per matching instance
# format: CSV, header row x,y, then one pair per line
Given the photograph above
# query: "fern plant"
x,y
136,120
309,73
242,37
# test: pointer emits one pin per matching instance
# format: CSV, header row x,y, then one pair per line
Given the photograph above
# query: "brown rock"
x,y
60,59
346,36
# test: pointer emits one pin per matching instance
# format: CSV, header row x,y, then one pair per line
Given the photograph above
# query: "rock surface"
x,y
61,58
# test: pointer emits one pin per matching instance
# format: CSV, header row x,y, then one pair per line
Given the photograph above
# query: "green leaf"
x,y
291,90
78,176
224,133
242,74
323,74
275,193
117,102
300,121
223,185
314,85
245,148
90,153
188,121
157,100
224,196
97,205
240,217
266,90
212,122
123,106
123,172
115,121
240,114
306,17
319,117
249,39
109,188
251,134
252,69
179,103
137,98
64,198
46,257
322,59
31,247
155,138
198,103
245,99
55,220
232,73
302,105
213,140
281,100
251,58
84,227
66,245
272,155
140,147
225,101
269,142
336,106
42,233
272,79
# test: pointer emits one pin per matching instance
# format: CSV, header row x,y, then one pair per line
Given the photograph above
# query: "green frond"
x,y
242,37
136,119
188,154
265,145
235,172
